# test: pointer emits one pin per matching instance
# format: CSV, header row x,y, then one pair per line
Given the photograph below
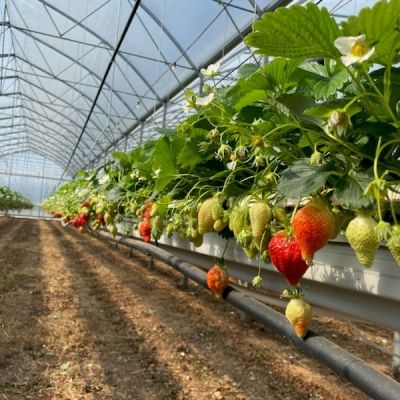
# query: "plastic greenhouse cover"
x,y
55,54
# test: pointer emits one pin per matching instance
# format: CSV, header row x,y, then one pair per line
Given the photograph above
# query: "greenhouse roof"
x,y
82,78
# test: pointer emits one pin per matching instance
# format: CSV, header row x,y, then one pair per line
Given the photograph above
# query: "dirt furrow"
x,y
23,359
220,346
79,319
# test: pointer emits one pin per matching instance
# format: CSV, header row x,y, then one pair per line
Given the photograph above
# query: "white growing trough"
x,y
337,284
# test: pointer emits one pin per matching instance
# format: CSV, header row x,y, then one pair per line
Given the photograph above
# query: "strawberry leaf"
x,y
295,32
349,193
302,179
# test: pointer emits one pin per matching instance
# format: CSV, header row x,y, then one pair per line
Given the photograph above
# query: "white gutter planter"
x,y
337,282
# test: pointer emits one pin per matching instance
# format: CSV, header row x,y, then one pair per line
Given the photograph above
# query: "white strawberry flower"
x,y
187,106
134,174
203,101
211,70
354,49
156,173
104,179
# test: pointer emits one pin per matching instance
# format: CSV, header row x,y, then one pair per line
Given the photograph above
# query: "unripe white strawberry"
x,y
362,236
205,218
393,243
298,312
260,216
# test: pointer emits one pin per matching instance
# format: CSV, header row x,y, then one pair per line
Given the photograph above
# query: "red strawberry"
x,y
86,203
145,230
101,219
313,226
285,254
75,221
147,211
217,279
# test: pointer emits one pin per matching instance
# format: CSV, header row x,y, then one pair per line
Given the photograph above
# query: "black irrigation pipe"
x,y
372,382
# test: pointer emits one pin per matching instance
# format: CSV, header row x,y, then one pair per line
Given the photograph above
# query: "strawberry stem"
x,y
295,209
226,247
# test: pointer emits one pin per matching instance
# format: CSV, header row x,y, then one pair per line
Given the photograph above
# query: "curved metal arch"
x,y
44,116
43,105
60,99
103,40
44,141
169,35
71,86
48,136
38,150
82,66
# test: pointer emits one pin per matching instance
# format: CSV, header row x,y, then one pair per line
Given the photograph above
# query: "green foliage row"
x,y
10,200
317,120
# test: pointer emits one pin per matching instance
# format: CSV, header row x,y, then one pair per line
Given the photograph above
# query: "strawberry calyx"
x,y
292,293
219,262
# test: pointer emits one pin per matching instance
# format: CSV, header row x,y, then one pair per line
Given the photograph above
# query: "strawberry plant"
x,y
318,127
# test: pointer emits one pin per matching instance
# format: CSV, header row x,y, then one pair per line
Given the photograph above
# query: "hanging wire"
x,y
159,47
113,74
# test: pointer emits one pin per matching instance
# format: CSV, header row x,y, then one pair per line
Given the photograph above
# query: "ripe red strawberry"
x,y
86,203
147,211
100,218
217,279
80,220
285,254
145,230
313,226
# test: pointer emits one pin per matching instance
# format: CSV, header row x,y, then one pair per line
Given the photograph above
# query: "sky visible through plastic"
x,y
54,55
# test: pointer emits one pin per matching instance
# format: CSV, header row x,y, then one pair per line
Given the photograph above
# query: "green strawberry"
x,y
298,312
219,225
238,219
361,234
393,243
205,218
260,216
217,211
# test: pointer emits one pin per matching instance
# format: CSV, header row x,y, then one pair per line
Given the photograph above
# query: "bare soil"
x,y
79,319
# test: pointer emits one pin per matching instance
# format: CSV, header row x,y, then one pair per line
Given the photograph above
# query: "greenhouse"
x,y
199,199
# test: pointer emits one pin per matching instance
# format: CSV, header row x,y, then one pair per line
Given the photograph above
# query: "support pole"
x,y
184,282
396,356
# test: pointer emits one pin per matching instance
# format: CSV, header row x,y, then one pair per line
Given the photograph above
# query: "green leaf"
x,y
381,25
349,193
376,128
297,104
247,70
302,179
324,110
378,76
295,32
280,71
316,81
165,157
190,156
274,76
114,194
251,98
250,113
245,85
